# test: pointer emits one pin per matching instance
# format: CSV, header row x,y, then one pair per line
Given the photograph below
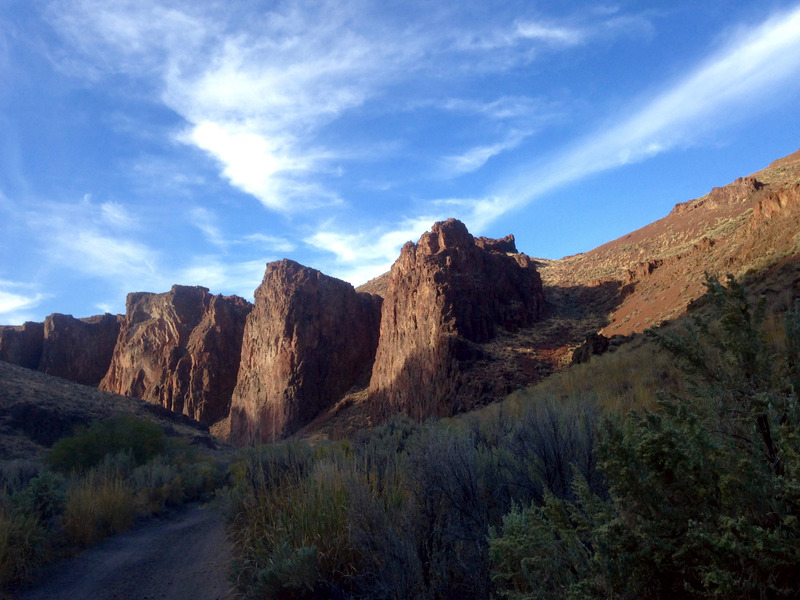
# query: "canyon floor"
x,y
182,556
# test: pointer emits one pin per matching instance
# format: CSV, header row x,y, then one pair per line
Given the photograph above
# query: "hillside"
x,y
37,409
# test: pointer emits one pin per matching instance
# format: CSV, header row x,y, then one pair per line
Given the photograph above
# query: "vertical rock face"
x,y
308,340
79,349
447,294
22,345
180,349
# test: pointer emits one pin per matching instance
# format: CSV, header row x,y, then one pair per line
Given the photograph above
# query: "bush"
x,y
88,447
23,546
703,492
43,497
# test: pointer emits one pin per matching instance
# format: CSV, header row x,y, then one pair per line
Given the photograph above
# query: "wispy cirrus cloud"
x,y
98,240
16,300
474,158
257,97
240,278
365,254
757,64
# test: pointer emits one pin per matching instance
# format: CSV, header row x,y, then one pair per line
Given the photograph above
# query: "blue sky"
x,y
145,143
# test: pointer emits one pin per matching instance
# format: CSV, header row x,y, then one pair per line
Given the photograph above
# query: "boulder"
x,y
181,350
447,295
309,339
595,344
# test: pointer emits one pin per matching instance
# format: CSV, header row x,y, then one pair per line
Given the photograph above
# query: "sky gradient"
x,y
145,143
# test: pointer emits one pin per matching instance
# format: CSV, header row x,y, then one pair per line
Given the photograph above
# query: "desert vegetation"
x,y
569,490
92,484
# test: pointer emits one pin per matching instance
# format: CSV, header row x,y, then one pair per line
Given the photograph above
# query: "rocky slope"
x,y
308,340
180,349
748,228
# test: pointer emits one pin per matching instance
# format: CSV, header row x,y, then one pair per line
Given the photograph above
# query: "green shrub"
x,y
88,447
43,497
703,492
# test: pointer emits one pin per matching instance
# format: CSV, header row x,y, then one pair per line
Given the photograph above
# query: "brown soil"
x,y
184,556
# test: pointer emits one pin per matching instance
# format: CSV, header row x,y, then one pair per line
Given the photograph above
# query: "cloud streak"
x,y
754,66
258,100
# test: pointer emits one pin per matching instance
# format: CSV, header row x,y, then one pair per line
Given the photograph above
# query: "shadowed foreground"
x,y
183,557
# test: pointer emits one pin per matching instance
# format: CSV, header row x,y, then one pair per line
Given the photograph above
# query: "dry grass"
x,y
97,506
619,381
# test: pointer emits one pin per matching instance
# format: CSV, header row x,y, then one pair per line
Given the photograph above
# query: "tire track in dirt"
x,y
184,556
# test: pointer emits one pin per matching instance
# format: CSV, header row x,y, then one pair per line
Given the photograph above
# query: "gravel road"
x,y
183,556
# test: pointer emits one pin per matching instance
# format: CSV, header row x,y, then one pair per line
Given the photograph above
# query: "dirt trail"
x,y
182,557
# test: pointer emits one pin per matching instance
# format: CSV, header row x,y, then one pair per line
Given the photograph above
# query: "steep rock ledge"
x,y
448,294
180,349
309,339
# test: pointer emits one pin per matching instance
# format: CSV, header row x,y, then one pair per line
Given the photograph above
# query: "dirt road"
x,y
180,557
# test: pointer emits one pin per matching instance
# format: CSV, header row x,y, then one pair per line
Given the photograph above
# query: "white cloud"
x,y
759,64
203,219
559,35
474,158
367,254
270,242
104,307
116,215
221,276
257,96
77,236
505,107
10,302
16,302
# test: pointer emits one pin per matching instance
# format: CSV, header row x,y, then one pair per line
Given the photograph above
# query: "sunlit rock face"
x,y
308,340
447,295
180,349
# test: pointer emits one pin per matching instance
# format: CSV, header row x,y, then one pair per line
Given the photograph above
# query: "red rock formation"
x,y
22,345
308,340
180,349
79,349
447,295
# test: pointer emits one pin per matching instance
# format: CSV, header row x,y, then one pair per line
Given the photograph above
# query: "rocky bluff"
x,y
180,349
308,340
447,295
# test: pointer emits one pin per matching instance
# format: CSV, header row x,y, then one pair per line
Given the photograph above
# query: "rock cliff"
x,y
308,340
79,349
180,349
447,295
22,344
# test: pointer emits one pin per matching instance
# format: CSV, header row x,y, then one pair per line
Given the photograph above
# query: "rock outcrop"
x,y
447,295
22,344
79,349
308,340
180,349
595,344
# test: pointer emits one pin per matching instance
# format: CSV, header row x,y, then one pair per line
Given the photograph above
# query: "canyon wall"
x,y
180,349
308,340
447,295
